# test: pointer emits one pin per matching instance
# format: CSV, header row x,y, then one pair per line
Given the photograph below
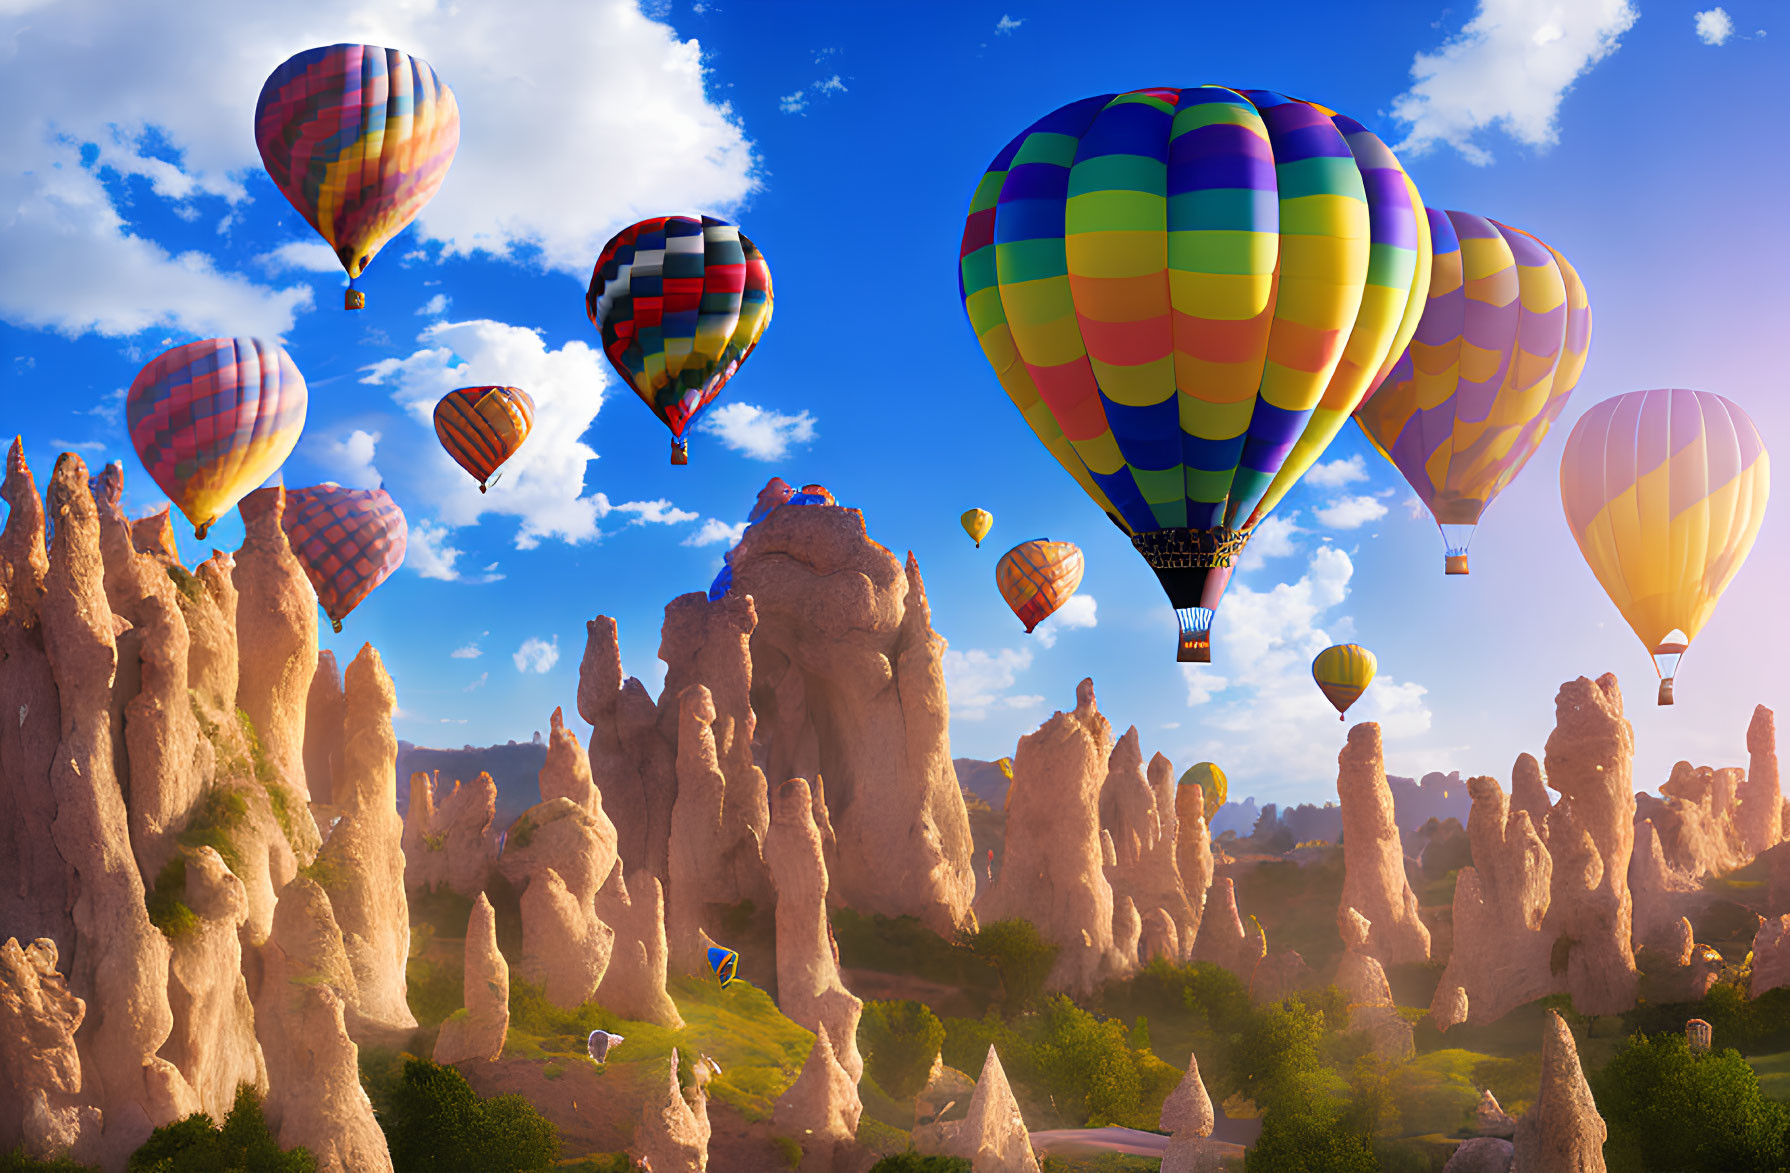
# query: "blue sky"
x,y
846,140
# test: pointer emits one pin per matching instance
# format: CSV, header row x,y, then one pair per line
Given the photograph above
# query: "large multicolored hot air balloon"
x,y
1502,341
359,138
977,523
1037,577
1211,780
348,540
1664,492
1343,672
680,304
726,964
481,427
211,420
1186,292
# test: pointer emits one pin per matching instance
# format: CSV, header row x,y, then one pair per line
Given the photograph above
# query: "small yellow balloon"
x,y
1006,765
1210,779
1344,672
977,523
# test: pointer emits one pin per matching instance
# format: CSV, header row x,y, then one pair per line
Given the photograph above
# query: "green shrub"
x,y
196,1145
17,1162
904,945
1668,1109
899,1041
1020,956
1278,1054
436,1123
166,900
790,1148
190,586
434,990
214,823
1301,1141
521,831
911,1162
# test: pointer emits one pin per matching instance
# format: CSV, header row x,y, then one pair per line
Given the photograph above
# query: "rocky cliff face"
x,y
1137,810
1053,873
1374,881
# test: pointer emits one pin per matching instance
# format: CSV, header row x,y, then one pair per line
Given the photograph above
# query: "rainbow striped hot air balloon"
x,y
1186,292
1037,577
348,540
1502,342
211,420
481,427
680,303
1665,492
359,138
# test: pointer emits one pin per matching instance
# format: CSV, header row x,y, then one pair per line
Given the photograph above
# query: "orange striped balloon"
x,y
481,427
1037,577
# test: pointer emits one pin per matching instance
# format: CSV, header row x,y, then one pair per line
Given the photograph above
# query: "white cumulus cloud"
x,y
1334,474
1080,611
1510,67
470,651
1004,27
159,93
1715,26
349,459
715,530
1350,512
1273,537
1264,717
755,431
977,681
307,256
434,307
430,553
536,655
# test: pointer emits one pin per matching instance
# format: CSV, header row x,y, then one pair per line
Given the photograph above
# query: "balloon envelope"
x,y
1210,779
680,304
481,427
977,523
1037,577
1664,491
1343,672
725,963
1186,292
1502,342
211,420
348,540
358,138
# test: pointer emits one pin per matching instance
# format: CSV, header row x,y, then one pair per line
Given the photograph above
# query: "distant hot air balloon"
x,y
1343,672
1502,342
348,540
211,420
1037,577
359,138
1006,765
1210,779
813,495
680,304
1664,492
481,427
1186,292
726,964
977,523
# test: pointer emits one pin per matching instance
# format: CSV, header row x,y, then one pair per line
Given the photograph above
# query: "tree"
x,y
1021,957
197,1145
1668,1109
899,1041
1299,1140
438,1124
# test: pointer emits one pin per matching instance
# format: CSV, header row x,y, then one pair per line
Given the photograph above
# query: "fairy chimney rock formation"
x,y
423,862
565,949
1482,1154
1222,939
1760,811
479,1033
566,773
119,960
1491,1120
993,1137
1529,792
848,681
808,986
673,1136
314,1097
1052,872
697,824
1562,1129
35,903
633,984
213,1042
1771,955
365,857
1374,880
630,763
451,845
42,1106
821,1109
1138,810
276,634
323,730
1656,889
1502,955
1589,760
1187,1117
1187,840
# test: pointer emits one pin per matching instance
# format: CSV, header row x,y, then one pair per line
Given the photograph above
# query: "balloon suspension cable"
x,y
1666,658
1456,537
1195,645
492,483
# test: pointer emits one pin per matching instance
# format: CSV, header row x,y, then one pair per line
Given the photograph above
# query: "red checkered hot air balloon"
x,y
348,540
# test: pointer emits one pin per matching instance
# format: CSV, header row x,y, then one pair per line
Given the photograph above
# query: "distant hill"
x,y
982,779
515,767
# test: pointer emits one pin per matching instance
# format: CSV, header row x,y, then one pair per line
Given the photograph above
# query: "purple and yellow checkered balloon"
x,y
348,540
1503,339
1186,292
